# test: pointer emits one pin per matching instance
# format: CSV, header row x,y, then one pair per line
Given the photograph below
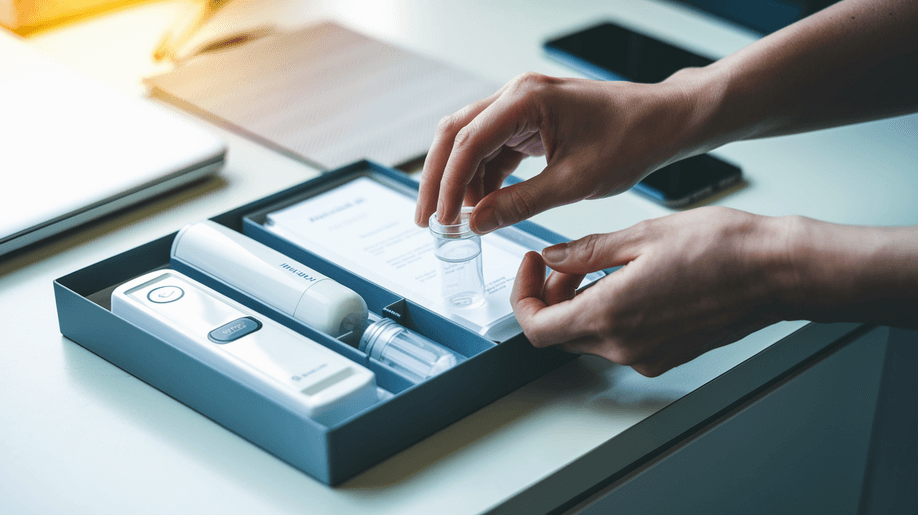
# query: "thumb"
x,y
593,252
515,203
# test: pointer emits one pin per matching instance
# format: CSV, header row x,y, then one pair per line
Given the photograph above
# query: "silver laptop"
x,y
72,149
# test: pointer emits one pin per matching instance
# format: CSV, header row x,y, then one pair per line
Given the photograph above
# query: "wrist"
x,y
700,94
772,268
796,281
850,273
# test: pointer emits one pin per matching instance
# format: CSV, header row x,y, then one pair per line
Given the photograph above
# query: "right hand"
x,y
688,283
599,138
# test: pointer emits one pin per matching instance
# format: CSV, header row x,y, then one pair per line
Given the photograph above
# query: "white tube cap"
x,y
326,304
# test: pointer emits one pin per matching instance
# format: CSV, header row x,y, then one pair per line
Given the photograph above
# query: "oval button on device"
x,y
234,330
165,294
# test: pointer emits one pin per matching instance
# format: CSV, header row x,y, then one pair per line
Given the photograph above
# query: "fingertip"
x,y
556,253
535,256
447,210
428,191
485,219
512,204
529,279
560,287
530,258
593,252
419,219
532,263
492,214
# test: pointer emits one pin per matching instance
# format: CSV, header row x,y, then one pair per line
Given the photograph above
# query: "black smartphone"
x,y
611,52
688,181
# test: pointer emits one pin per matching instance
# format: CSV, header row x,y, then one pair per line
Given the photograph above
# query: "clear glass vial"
x,y
413,355
459,252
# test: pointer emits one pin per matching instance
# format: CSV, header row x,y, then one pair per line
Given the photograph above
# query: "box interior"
x,y
407,411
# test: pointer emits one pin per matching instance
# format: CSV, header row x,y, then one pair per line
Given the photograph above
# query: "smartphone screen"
x,y
631,55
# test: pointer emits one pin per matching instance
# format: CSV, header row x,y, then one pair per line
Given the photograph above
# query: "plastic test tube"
x,y
413,355
459,252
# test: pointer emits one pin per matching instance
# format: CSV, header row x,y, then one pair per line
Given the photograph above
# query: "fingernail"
x,y
418,216
555,253
441,209
487,221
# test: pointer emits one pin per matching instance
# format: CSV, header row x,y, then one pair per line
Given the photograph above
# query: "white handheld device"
x,y
269,276
279,363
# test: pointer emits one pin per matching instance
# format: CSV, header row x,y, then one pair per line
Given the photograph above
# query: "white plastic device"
x,y
269,276
279,363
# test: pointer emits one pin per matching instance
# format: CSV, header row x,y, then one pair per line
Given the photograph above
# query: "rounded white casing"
x,y
281,364
268,275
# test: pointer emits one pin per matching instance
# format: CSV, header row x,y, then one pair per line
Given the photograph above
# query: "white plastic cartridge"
x,y
279,363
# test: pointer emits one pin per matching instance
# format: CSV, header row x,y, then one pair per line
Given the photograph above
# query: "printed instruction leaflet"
x,y
368,228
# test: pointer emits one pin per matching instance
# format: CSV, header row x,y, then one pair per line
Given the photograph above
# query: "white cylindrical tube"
x,y
271,277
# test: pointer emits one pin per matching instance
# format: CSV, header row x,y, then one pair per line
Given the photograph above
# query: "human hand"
x,y
689,282
599,139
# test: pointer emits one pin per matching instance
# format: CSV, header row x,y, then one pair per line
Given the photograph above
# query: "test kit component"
x,y
459,252
411,354
280,364
271,277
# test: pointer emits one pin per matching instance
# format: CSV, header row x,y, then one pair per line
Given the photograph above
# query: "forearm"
x,y
852,62
851,273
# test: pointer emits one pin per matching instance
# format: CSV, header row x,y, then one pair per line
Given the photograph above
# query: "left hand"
x,y
689,283
599,138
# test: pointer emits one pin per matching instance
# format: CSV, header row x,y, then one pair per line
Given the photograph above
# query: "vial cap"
x,y
459,229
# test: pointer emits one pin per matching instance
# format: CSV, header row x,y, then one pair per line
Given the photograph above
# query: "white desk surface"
x,y
78,435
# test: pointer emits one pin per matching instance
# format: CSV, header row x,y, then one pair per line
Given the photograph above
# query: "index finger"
x,y
438,156
544,325
510,114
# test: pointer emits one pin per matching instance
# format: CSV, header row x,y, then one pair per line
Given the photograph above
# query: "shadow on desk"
x,y
228,455
589,382
573,379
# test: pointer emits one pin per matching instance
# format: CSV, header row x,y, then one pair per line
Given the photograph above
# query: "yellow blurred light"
x,y
27,16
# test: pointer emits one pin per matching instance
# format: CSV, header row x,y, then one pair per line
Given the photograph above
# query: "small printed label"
x,y
298,273
234,330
